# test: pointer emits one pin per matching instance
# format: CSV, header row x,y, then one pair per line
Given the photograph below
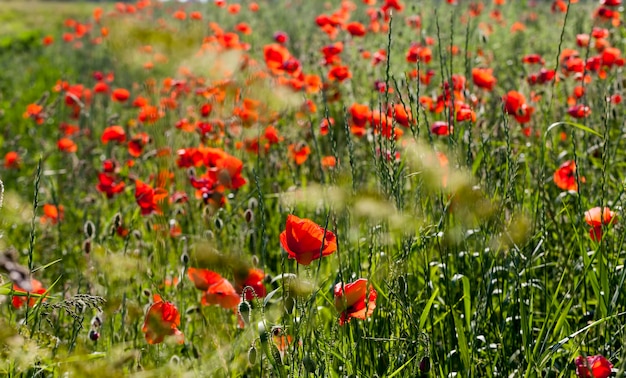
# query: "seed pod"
x,y
425,364
290,303
252,355
175,360
244,311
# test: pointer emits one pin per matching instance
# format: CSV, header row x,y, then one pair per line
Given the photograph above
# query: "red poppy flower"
x,y
227,171
299,152
353,300
483,78
52,214
339,73
162,319
441,128
137,143
120,94
593,367
305,241
36,288
35,112
67,145
360,114
217,290
533,59
148,198
115,133
252,278
565,176
597,218
108,186
275,55
579,111
356,29
419,53
11,160
329,162
101,87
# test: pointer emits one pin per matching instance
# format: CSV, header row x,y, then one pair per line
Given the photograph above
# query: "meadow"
x,y
357,188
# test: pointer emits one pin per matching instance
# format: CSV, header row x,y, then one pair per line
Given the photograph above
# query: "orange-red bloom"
x,y
339,73
67,145
162,319
35,112
11,160
120,94
593,367
115,133
37,288
483,78
565,176
217,290
148,198
305,240
353,300
597,218
251,278
52,214
299,152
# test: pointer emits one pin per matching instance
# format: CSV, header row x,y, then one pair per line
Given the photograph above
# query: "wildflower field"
x,y
298,188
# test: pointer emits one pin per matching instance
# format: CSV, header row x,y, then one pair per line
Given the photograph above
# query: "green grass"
x,y
482,267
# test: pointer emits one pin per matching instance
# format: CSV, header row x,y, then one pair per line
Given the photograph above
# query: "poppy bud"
x,y
219,223
184,258
89,229
175,360
252,355
147,293
94,335
255,260
244,311
277,331
253,203
248,215
87,246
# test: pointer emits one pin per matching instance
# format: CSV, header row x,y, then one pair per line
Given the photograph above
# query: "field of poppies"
x,y
297,188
